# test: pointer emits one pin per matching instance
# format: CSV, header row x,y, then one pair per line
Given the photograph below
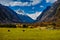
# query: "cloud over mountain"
x,y
20,3
50,1
27,6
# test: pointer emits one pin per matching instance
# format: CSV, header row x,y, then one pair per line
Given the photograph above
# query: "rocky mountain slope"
x,y
49,14
7,15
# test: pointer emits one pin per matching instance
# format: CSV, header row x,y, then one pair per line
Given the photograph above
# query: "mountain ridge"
x,y
7,15
49,13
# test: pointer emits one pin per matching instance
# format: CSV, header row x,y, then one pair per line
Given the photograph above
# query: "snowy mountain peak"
x,y
33,16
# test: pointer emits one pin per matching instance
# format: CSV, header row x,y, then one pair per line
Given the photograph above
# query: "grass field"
x,y
28,34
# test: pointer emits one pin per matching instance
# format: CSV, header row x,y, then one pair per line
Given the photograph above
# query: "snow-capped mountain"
x,y
32,16
7,15
32,11
27,10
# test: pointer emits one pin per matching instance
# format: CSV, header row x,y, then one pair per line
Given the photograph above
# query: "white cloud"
x,y
35,15
35,2
5,1
19,3
20,12
50,1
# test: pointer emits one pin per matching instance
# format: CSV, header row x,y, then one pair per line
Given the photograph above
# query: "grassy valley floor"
x,y
28,34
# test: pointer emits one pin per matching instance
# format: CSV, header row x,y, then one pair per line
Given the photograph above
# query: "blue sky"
x,y
32,8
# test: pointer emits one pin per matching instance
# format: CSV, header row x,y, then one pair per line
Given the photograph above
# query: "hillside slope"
x,y
49,14
7,15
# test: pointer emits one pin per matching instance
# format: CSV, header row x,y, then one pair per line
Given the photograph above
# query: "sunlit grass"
x,y
28,34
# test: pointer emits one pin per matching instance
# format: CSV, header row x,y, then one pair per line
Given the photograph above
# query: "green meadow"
x,y
28,34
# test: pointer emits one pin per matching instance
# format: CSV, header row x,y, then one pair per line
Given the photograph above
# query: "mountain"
x,y
49,14
42,14
25,19
7,15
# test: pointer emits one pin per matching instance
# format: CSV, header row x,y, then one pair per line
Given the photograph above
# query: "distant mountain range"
x,y
50,14
7,15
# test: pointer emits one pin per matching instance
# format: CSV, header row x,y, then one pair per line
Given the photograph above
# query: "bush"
x,y
8,26
25,26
